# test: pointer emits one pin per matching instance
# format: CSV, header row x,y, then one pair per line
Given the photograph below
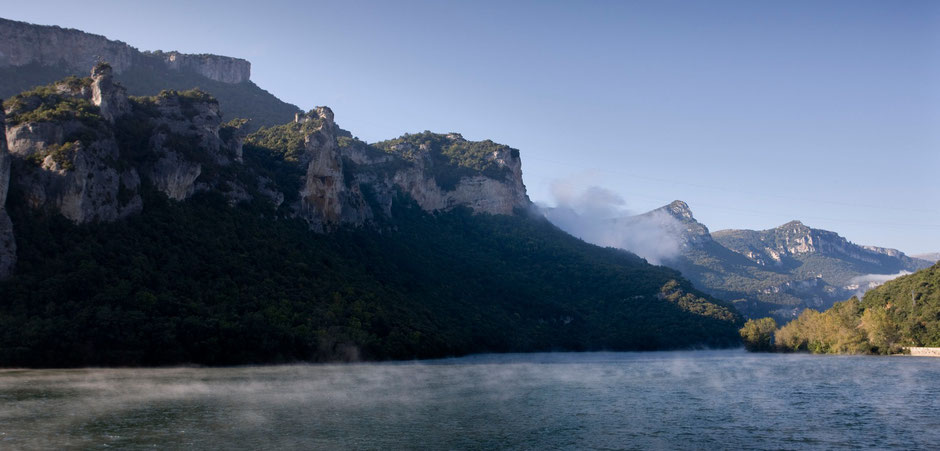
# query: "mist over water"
x,y
664,400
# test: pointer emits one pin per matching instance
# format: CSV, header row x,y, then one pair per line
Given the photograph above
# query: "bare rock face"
x,y
23,43
70,165
338,174
187,138
7,240
110,98
327,198
214,67
83,186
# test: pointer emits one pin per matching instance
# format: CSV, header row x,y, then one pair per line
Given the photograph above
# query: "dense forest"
x,y
201,282
902,312
218,279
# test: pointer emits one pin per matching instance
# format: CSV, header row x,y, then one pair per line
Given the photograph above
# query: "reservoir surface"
x,y
657,400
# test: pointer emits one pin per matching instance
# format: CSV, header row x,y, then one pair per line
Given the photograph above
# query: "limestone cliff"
x,y
81,147
441,172
22,44
67,160
84,149
349,182
7,241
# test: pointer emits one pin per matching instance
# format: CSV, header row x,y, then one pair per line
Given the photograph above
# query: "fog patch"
x,y
600,216
863,283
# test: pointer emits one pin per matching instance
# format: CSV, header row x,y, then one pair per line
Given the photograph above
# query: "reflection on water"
x,y
670,400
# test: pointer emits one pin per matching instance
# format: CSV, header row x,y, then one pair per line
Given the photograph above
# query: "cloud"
x,y
599,216
863,283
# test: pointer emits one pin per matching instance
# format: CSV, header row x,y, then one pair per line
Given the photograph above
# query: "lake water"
x,y
662,400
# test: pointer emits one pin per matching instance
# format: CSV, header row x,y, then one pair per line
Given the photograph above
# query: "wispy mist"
x,y
863,283
600,216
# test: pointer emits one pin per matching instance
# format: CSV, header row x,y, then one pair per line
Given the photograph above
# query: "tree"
x,y
758,334
882,331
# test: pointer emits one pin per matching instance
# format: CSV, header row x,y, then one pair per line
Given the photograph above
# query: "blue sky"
x,y
755,113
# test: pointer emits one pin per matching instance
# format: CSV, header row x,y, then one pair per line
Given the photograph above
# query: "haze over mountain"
x,y
776,272
933,256
142,230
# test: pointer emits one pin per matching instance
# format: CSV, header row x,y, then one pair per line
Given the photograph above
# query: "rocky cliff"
x,y
81,147
23,44
349,182
86,150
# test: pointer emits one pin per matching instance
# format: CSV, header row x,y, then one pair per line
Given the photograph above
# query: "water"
x,y
668,400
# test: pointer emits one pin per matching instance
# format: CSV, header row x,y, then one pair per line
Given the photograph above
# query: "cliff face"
x,y
81,147
70,164
349,182
7,242
23,44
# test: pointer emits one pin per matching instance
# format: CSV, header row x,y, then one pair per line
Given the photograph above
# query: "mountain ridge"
x,y
151,232
778,271
37,55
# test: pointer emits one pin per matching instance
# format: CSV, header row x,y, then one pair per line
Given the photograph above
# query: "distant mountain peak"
x,y
688,230
680,210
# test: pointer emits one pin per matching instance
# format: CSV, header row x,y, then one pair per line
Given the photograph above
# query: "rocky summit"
x,y
779,271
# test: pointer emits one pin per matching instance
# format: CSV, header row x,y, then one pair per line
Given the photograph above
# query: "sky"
x,y
754,113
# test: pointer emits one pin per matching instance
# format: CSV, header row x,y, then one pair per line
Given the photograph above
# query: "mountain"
x,y
146,231
37,55
777,272
930,257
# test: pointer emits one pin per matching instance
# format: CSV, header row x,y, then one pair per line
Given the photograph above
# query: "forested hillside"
x,y
902,312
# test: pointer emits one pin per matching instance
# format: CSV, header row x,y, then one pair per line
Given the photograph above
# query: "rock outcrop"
x,y
111,99
339,171
23,44
67,156
71,164
7,241
327,197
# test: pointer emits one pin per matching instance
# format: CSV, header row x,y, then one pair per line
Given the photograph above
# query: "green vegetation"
x,y
150,76
902,312
758,334
62,154
53,103
205,282
451,157
202,282
286,140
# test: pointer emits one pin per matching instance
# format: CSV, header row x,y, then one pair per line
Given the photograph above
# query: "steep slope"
x,y
149,232
36,55
777,272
